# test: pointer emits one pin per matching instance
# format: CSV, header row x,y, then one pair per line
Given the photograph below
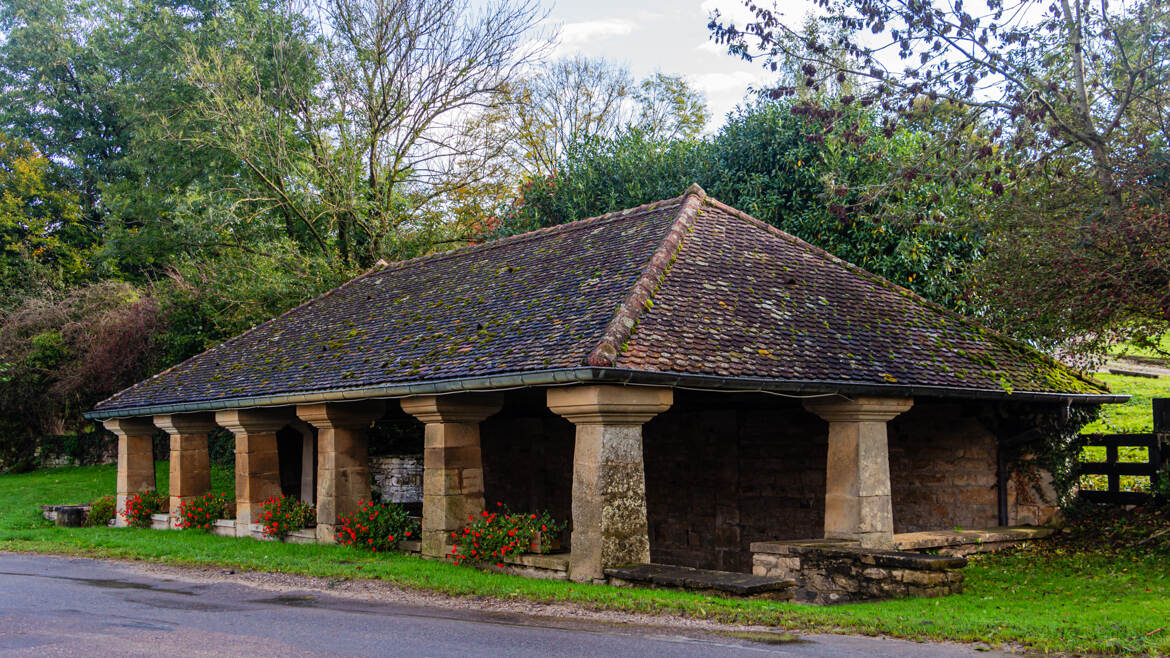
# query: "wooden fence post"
x,y
1160,451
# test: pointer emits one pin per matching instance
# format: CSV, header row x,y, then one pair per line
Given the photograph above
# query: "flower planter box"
x,y
531,565
303,536
224,527
542,541
160,522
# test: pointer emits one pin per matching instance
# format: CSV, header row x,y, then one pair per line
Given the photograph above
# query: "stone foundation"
x,y
837,571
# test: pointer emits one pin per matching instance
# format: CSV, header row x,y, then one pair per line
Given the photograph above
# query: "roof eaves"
x,y
601,375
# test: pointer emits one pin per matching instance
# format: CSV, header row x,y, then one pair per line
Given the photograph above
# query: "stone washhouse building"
x,y
679,381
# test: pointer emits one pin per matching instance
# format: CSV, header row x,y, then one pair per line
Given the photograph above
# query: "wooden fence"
x,y
1157,448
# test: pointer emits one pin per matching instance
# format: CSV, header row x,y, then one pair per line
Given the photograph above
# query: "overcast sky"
x,y
666,35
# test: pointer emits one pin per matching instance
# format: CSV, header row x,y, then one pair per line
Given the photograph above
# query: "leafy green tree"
x,y
208,299
351,118
45,242
1059,109
79,79
765,162
669,108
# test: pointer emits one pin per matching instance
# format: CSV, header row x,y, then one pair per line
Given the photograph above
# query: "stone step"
x,y
722,583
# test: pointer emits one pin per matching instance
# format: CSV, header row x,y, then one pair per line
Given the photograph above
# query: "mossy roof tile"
x,y
686,285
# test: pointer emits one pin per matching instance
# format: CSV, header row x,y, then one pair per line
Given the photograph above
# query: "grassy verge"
x,y
1082,601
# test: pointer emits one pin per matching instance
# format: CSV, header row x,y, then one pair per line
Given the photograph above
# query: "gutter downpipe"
x,y
598,375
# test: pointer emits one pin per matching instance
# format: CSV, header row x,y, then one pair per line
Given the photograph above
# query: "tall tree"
x,y
45,244
78,78
571,100
355,127
765,162
1059,107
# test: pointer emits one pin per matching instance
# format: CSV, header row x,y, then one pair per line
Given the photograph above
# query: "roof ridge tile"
x,y
621,327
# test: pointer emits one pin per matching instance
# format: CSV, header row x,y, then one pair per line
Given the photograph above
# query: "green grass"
x,y
1127,349
1135,416
1089,602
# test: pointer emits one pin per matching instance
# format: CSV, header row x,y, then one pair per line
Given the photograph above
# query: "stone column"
x,y
857,490
452,462
190,465
609,478
257,465
135,458
343,464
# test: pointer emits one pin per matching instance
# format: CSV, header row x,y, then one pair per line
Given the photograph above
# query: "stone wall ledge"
x,y
839,548
969,541
551,566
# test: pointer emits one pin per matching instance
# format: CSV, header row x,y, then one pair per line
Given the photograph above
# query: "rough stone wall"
x,y
528,457
398,477
942,469
721,477
1031,497
837,574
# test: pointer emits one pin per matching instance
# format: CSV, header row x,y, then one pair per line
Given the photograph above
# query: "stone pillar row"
x,y
609,482
343,465
135,458
343,476
190,465
609,475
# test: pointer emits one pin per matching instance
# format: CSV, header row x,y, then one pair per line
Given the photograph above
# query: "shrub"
x,y
141,505
494,536
102,511
280,516
203,511
376,527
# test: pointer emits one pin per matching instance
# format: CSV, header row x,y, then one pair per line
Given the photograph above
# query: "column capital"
x,y
123,427
459,408
341,415
609,404
199,423
859,409
254,420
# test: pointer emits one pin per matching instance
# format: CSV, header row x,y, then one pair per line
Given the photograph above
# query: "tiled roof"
x,y
686,285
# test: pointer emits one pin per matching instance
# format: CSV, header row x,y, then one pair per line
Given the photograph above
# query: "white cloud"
x,y
710,47
719,84
576,34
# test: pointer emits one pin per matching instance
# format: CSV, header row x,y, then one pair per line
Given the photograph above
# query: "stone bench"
x,y
704,581
966,542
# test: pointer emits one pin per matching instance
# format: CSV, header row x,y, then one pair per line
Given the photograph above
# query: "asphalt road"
x,y
61,606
